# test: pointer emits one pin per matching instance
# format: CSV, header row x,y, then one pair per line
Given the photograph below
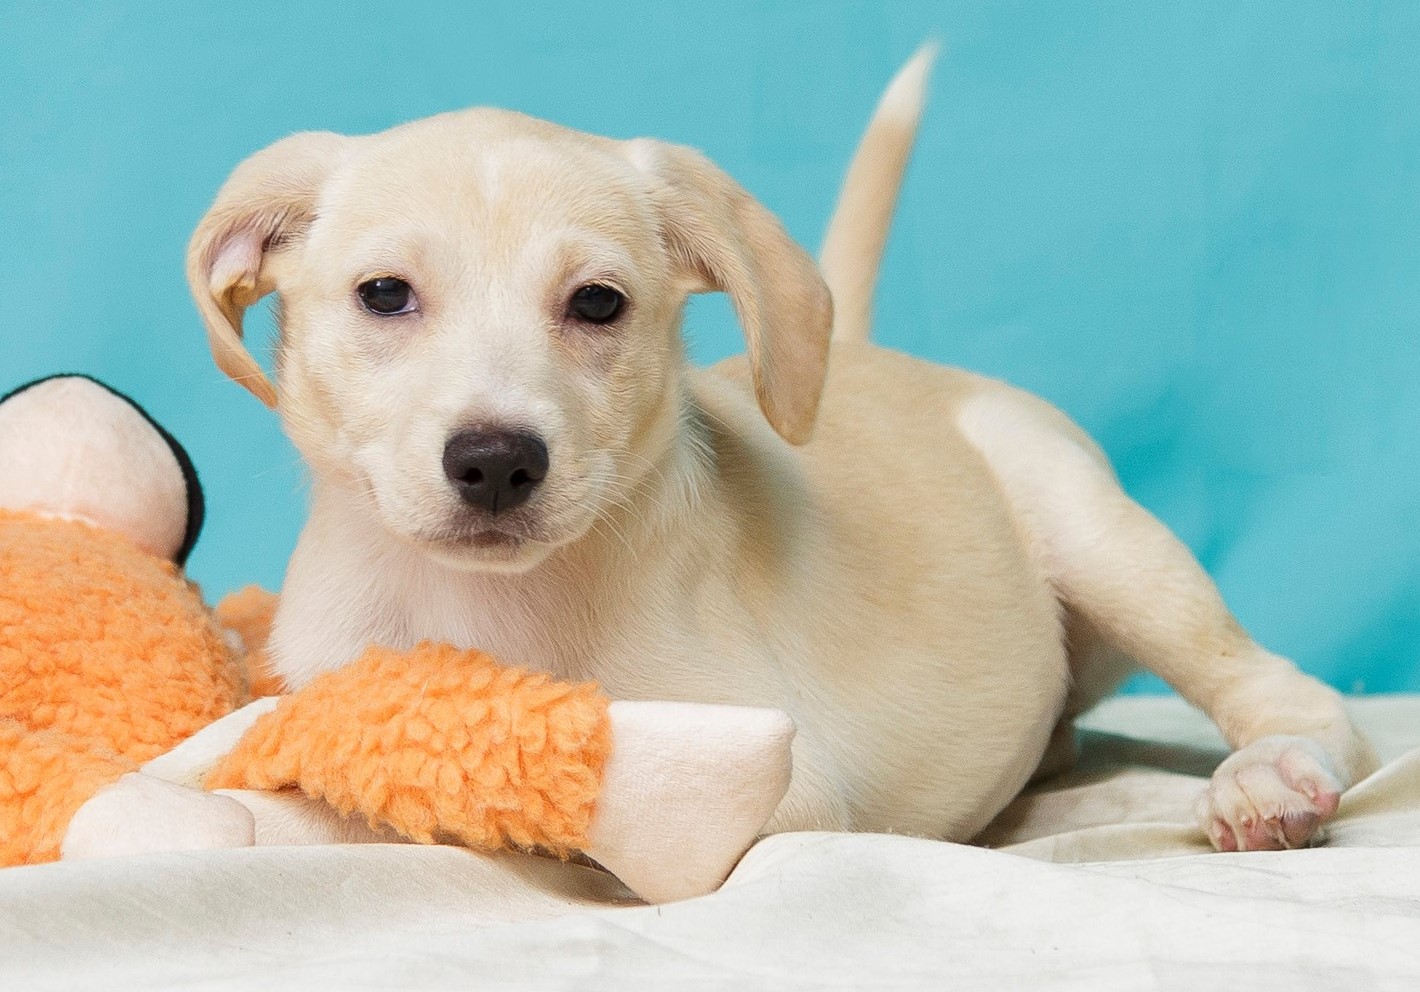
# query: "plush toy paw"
x,y
139,814
1272,795
686,791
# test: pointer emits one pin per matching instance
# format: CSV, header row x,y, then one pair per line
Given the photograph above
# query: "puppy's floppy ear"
x,y
268,200
723,239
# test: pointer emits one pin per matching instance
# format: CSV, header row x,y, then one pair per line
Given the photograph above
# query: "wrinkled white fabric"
x,y
1114,893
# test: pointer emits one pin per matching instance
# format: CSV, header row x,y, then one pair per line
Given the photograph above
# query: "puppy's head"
x,y
480,313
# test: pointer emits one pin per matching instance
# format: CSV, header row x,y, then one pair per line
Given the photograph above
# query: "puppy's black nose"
x,y
495,470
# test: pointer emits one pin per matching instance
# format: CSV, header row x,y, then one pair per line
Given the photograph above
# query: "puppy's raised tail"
x,y
853,247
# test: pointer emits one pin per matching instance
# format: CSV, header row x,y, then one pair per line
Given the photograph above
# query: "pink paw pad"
x,y
1273,795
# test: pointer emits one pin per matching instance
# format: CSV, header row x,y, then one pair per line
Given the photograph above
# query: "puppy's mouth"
x,y
483,545
500,538
494,539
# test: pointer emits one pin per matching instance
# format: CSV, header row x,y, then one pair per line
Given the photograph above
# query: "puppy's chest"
x,y
657,651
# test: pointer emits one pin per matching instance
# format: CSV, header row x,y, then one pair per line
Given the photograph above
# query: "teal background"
x,y
1195,227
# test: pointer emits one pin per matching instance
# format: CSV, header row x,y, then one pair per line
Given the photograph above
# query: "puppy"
x,y
480,359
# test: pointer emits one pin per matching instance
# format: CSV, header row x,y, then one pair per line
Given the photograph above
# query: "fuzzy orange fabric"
x,y
108,658
44,778
250,612
438,743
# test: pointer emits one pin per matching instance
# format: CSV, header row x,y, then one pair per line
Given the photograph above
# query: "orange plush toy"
x,y
107,655
121,699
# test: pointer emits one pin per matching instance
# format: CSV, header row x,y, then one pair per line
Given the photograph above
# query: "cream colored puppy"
x,y
480,359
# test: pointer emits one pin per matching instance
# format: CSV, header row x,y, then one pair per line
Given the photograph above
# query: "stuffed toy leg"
x,y
441,745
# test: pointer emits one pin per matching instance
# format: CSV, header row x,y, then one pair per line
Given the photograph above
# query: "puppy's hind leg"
x,y
1097,669
1122,571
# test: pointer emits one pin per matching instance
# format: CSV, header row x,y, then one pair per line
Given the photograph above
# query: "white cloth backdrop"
x,y
1101,884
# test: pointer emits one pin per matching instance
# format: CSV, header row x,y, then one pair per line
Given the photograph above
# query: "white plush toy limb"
x,y
140,814
685,792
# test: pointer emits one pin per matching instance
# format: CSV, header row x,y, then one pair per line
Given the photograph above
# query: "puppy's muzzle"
x,y
495,470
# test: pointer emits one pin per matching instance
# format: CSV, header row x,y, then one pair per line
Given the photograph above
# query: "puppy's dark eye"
x,y
596,304
387,296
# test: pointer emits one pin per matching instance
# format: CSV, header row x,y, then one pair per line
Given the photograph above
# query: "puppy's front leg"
x,y
1121,570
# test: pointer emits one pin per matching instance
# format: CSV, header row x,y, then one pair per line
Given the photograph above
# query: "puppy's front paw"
x,y
139,814
1272,795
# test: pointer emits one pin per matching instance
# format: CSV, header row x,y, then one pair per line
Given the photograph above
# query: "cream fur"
x,y
931,587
